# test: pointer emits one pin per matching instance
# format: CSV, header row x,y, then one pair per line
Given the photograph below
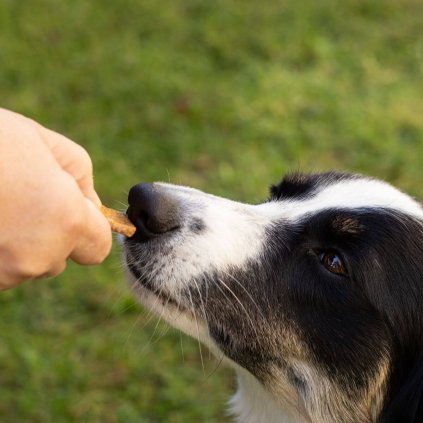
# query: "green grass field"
x,y
223,95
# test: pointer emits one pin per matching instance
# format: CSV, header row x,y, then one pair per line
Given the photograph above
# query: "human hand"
x,y
49,210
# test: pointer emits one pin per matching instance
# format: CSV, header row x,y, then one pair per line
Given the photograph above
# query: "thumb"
x,y
95,241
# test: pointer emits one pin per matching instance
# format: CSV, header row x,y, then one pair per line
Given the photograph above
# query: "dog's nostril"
x,y
153,210
143,218
155,223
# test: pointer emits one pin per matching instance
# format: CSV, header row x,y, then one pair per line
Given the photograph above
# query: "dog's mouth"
x,y
165,298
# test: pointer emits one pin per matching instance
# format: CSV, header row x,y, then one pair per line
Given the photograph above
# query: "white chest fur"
x,y
252,404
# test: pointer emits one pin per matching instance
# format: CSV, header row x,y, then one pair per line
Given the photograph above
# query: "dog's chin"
x,y
167,306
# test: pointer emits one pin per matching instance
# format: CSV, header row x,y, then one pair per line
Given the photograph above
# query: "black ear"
x,y
406,406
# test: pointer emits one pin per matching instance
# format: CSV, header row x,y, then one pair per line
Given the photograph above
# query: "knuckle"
x,y
56,269
84,158
16,267
10,281
21,270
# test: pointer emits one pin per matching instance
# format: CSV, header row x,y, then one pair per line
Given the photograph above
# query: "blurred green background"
x,y
223,95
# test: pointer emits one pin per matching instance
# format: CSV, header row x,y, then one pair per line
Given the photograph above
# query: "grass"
x,y
225,96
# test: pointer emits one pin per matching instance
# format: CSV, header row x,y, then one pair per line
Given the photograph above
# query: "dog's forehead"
x,y
355,193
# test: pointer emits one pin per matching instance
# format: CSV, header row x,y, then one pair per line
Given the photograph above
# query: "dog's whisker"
x,y
203,310
246,291
182,347
216,367
150,315
168,175
253,326
156,326
198,332
124,205
131,329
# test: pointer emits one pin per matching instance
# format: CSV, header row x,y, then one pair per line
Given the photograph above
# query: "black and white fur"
x,y
308,345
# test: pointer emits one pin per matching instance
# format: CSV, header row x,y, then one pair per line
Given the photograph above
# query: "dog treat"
x,y
119,222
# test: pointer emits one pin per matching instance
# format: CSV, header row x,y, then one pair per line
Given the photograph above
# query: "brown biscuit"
x,y
119,222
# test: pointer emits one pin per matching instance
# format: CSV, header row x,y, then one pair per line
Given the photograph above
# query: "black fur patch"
x,y
300,186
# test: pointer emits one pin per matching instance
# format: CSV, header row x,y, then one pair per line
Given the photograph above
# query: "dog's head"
x,y
316,295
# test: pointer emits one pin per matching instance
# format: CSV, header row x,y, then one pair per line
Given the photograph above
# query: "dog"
x,y
314,296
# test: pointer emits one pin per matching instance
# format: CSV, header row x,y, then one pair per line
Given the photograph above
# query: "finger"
x,y
11,273
13,283
9,281
54,270
73,159
95,241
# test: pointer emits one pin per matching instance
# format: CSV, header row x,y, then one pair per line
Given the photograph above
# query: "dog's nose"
x,y
153,211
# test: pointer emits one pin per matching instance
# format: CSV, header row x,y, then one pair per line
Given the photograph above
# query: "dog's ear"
x,y
406,406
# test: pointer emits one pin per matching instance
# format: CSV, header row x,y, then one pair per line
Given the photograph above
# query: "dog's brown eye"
x,y
333,262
